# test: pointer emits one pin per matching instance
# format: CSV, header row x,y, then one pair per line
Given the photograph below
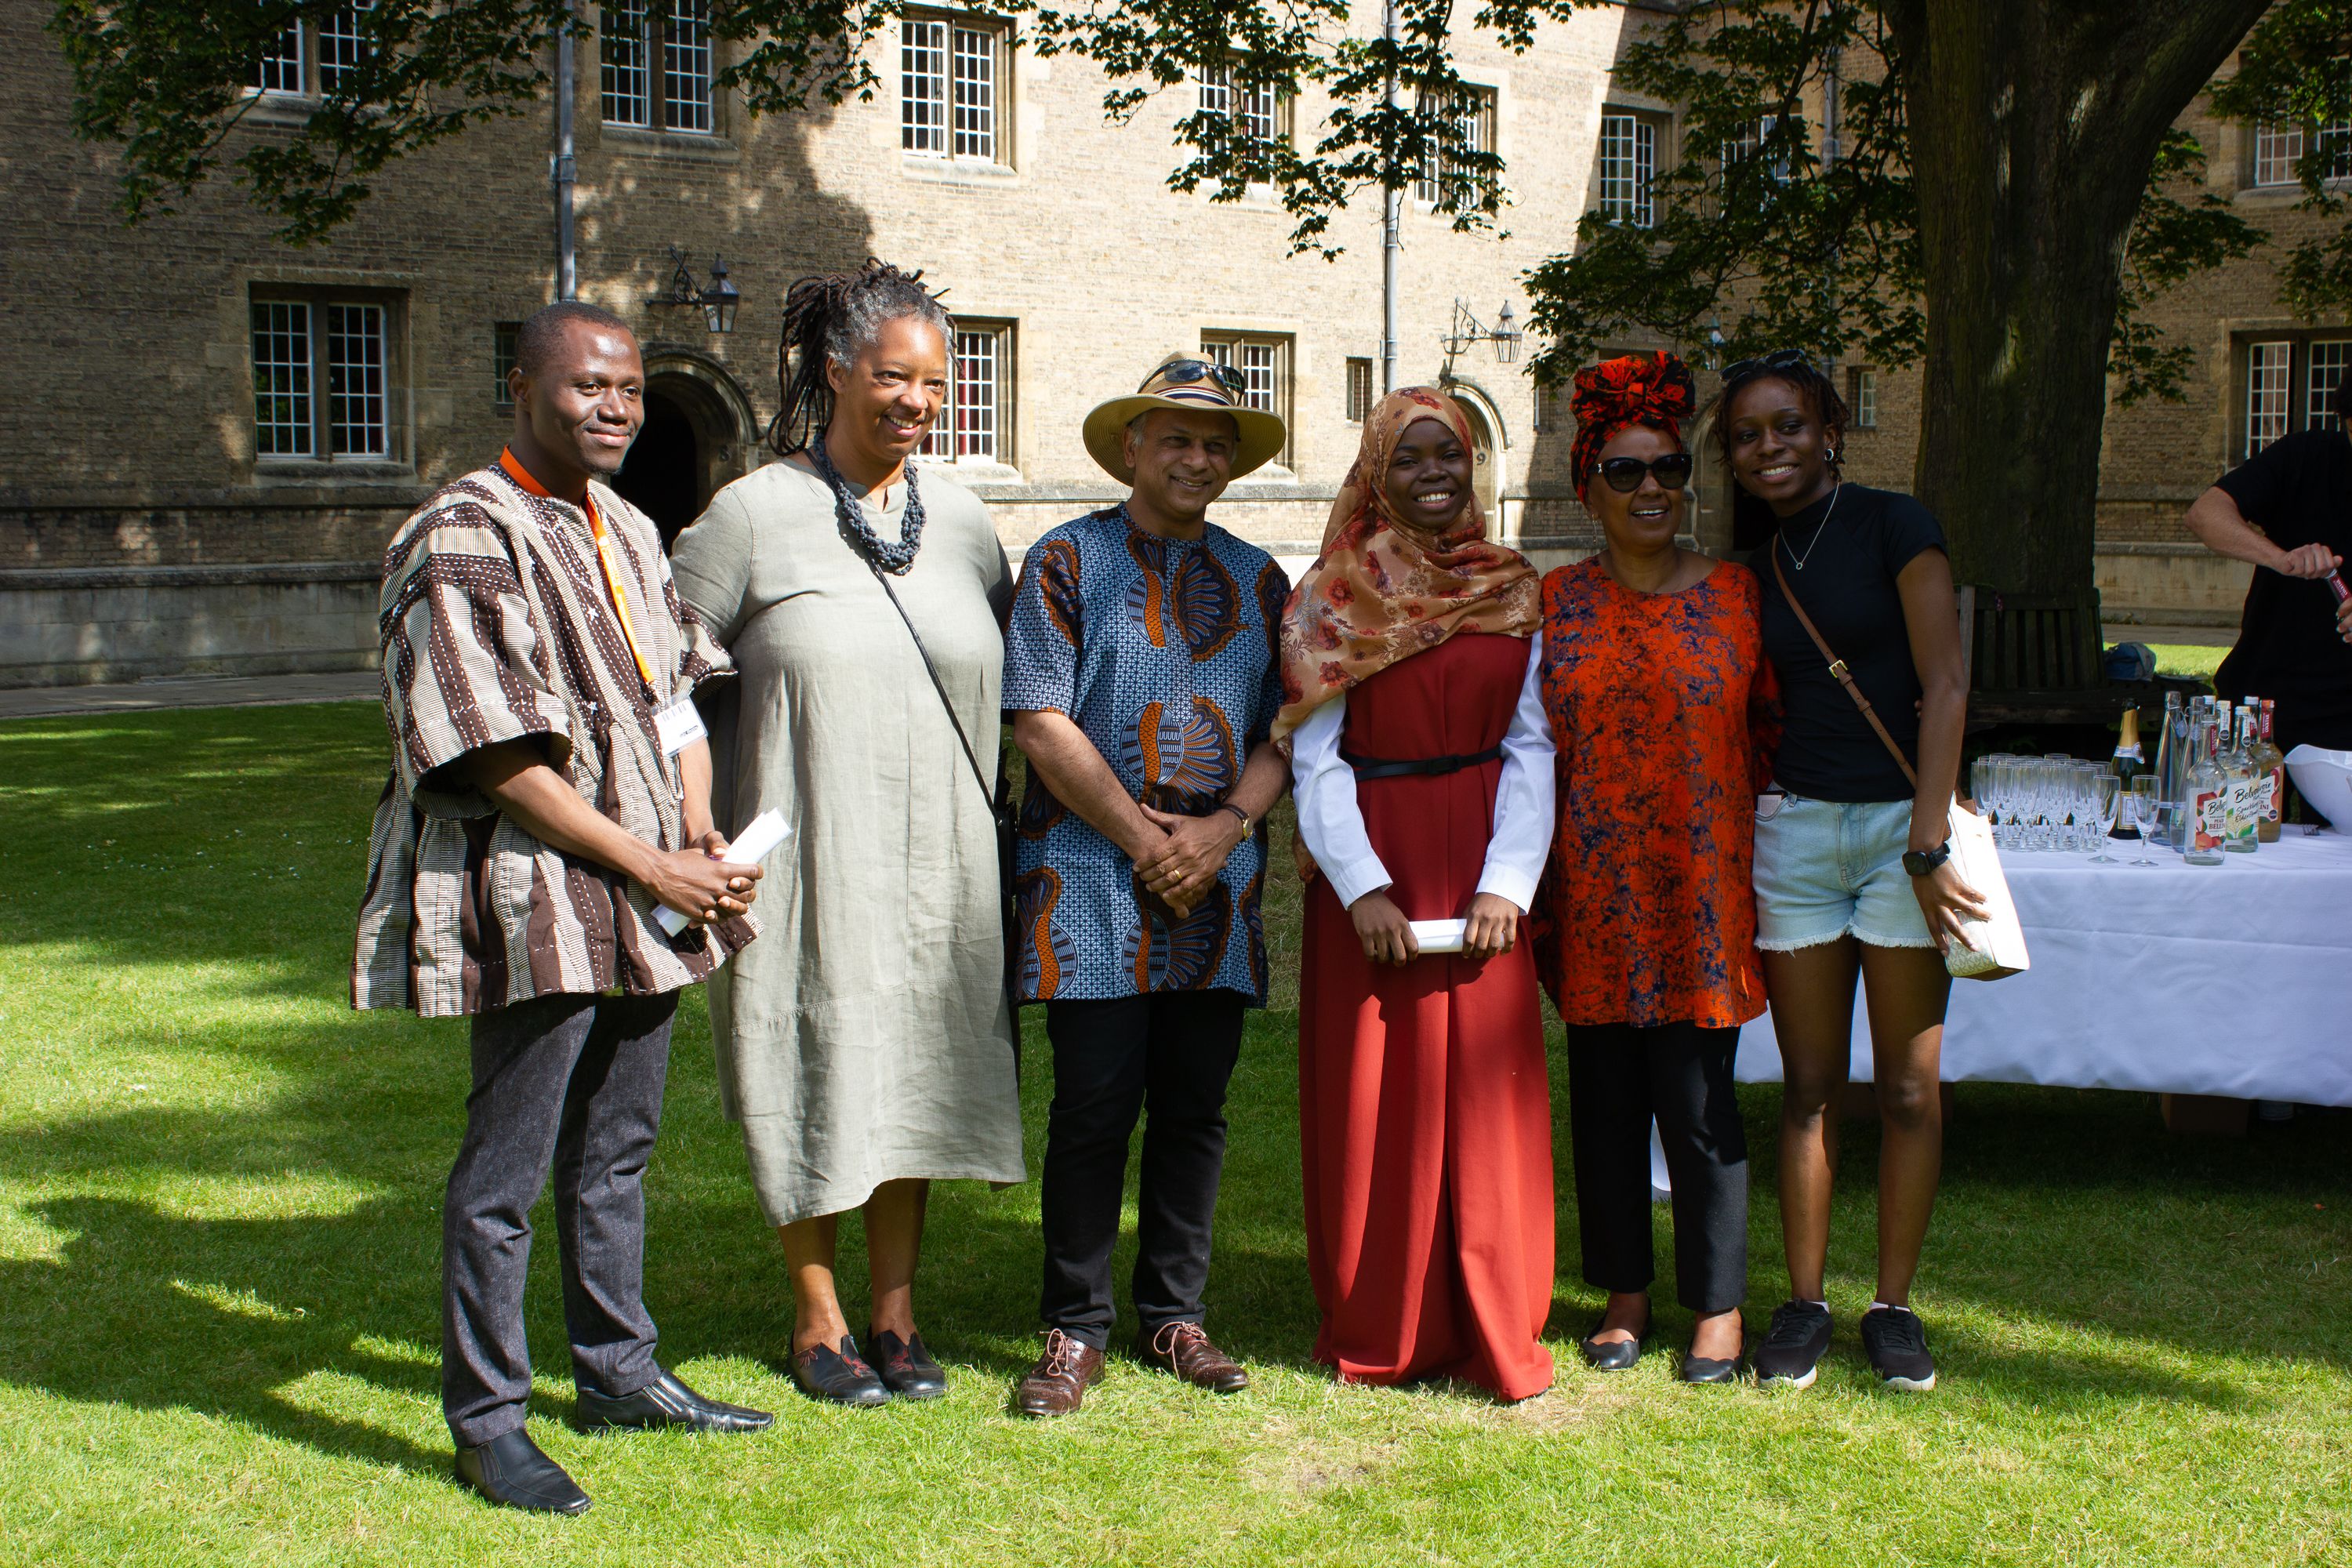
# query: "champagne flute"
x,y
2105,790
2147,811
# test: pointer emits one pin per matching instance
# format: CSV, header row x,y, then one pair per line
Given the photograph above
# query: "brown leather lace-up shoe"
x,y
1057,1384
1184,1350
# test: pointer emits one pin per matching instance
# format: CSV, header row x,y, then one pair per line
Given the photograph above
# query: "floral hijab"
x,y
1384,591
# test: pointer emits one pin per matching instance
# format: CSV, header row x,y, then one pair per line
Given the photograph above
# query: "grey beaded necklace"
x,y
894,556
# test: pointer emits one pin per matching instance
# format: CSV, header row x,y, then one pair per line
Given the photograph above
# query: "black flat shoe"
x,y
666,1402
510,1470
904,1367
1707,1369
839,1377
1616,1355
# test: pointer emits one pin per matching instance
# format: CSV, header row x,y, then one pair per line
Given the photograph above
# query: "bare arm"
x,y
1934,630
2215,519
1060,754
517,780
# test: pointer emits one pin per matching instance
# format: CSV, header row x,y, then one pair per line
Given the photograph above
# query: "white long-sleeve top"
x,y
1518,838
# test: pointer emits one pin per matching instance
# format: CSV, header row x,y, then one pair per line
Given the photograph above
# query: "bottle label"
x,y
2274,794
2209,812
2238,807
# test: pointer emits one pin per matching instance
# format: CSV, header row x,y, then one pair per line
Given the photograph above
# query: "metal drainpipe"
x,y
566,170
1392,221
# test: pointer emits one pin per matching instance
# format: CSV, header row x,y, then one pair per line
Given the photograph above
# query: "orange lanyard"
x,y
605,558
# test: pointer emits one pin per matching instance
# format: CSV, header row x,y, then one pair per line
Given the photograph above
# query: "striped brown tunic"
x,y
495,624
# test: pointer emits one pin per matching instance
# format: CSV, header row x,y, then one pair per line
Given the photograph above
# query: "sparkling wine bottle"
x,y
2171,764
2129,764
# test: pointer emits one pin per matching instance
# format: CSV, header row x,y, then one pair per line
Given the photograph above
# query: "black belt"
x,y
1389,768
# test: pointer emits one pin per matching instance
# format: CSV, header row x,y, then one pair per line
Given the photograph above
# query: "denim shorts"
x,y
1825,869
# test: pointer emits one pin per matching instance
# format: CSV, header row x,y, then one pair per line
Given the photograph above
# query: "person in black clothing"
x,y
2288,510
1852,874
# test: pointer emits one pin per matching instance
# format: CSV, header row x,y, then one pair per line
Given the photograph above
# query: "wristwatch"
x,y
1923,862
1248,827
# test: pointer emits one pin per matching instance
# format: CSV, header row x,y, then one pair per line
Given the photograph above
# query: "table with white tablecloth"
x,y
2230,980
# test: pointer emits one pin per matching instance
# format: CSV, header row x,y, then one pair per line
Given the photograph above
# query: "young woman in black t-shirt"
x,y
1852,873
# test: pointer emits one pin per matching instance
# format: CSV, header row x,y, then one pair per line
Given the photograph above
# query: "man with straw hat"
x,y
1141,674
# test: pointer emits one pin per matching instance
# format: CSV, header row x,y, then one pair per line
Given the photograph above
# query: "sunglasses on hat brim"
x,y
1624,475
1184,371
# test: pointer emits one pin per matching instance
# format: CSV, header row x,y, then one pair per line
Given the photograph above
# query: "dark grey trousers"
x,y
1619,1076
570,1084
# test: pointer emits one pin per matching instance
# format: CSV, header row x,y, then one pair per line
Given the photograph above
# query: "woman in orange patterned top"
x,y
1661,706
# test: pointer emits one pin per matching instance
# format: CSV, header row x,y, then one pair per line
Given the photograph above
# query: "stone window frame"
x,y
942,129
312,71
2272,150
651,54
1477,118
2272,377
1360,394
1862,395
984,358
1630,196
506,352
318,304
1249,352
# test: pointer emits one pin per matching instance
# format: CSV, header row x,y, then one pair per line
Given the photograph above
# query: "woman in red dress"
x,y
1656,689
1423,773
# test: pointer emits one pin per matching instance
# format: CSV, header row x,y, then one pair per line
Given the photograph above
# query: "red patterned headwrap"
x,y
1653,389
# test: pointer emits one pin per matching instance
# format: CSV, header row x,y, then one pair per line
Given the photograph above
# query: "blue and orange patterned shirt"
x,y
1163,651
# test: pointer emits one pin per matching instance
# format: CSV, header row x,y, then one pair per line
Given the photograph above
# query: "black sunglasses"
x,y
1184,371
1625,474
1778,360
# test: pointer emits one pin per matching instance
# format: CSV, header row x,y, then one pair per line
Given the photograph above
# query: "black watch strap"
x,y
1923,862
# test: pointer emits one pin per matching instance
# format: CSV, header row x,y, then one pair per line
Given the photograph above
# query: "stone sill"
x,y
979,172
288,573
692,146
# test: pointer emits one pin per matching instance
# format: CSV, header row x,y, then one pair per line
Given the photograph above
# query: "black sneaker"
x,y
1896,1342
1793,1347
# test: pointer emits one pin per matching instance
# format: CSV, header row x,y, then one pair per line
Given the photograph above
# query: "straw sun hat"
x,y
1182,384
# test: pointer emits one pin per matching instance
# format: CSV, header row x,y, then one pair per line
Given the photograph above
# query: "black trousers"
x,y
1169,1056
570,1084
1619,1076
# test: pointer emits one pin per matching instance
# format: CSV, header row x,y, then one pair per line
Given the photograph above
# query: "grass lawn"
x,y
2188,658
219,1234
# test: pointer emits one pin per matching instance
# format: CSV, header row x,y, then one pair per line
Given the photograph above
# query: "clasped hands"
x,y
700,883
1492,928
1179,868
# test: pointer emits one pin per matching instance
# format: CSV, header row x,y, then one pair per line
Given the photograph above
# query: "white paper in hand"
x,y
760,836
1439,936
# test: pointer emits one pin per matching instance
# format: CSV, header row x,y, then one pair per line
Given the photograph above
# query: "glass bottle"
x,y
2167,773
2270,777
2204,793
2238,766
2128,764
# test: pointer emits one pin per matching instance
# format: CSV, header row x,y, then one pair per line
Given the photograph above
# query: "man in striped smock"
x,y
550,789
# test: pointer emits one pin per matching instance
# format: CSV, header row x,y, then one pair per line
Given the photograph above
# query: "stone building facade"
x,y
215,433
187,493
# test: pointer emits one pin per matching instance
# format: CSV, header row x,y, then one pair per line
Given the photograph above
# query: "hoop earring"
x,y
1831,455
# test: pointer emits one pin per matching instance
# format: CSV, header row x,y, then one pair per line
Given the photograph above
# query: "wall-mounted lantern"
x,y
718,302
1468,330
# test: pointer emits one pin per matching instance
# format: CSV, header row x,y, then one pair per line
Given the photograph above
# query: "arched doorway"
x,y
696,437
1487,466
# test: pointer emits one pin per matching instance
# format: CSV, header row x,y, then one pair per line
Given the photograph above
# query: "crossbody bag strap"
x,y
971,758
1837,668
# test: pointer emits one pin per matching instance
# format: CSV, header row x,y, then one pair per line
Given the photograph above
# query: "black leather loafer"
x,y
666,1402
1614,1355
838,1377
904,1367
510,1470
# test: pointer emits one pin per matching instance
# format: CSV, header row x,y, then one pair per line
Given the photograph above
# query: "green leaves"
x,y
171,80
2296,69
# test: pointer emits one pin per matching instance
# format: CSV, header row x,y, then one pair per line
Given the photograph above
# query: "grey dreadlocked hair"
x,y
832,317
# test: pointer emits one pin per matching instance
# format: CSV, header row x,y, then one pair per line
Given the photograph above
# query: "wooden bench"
x,y
2036,660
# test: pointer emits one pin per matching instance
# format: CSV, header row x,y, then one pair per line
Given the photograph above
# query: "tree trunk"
x,y
2033,124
